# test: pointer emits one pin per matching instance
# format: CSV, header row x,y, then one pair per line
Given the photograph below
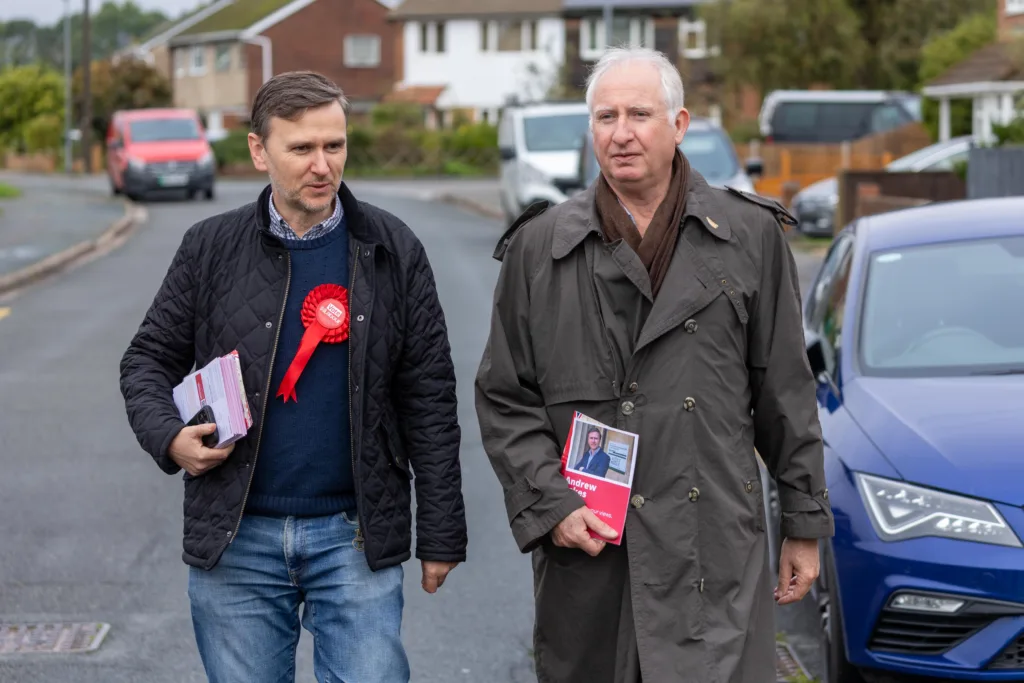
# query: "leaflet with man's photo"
x,y
598,462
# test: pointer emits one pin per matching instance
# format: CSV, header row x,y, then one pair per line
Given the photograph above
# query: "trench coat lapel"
x,y
690,283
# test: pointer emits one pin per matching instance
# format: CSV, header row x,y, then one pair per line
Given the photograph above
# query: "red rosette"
x,y
325,317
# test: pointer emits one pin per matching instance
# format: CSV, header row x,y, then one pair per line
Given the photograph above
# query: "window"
x,y
693,42
631,31
222,62
941,309
531,36
887,117
362,51
827,302
160,130
510,36
180,61
198,65
432,36
555,132
484,32
1014,7
439,29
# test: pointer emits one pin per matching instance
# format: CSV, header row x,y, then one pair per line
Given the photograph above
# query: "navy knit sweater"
x,y
304,467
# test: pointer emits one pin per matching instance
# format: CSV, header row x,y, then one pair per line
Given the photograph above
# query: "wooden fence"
x,y
865,193
791,167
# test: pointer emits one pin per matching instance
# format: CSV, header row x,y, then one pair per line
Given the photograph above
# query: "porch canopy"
x,y
991,77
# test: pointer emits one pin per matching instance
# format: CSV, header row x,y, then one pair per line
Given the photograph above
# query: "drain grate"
x,y
51,637
787,668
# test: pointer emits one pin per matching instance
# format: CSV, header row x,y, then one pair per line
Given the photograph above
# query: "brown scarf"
x,y
658,243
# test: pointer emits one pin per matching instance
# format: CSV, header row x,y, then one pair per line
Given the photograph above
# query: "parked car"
x,y
707,146
914,334
159,149
833,116
540,149
815,206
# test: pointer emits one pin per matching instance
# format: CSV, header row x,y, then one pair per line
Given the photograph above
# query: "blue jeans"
x,y
245,611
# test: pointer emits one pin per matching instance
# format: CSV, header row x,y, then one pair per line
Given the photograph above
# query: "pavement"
x,y
92,528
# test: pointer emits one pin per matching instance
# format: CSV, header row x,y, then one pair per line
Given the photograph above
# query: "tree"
x,y
126,84
33,100
771,44
945,51
909,25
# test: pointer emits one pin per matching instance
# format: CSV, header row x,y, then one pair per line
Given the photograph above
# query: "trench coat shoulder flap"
x,y
531,212
781,212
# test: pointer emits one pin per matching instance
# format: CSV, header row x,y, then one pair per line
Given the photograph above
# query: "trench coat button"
x,y
749,487
694,494
690,325
637,501
627,408
633,387
825,495
689,404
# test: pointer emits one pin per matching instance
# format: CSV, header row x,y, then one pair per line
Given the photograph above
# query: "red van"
x,y
159,149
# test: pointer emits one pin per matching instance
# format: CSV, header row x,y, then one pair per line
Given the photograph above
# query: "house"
x,y
672,27
155,49
472,58
993,78
219,62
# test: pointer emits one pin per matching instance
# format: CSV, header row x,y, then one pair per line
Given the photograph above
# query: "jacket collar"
x,y
579,217
355,218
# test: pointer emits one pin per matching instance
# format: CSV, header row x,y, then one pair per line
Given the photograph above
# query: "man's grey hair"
x,y
288,96
671,81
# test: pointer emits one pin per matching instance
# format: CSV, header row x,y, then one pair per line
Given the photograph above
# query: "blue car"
x,y
915,332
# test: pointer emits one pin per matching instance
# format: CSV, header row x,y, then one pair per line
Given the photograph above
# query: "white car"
x,y
540,151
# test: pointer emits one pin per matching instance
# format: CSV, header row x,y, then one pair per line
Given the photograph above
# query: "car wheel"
x,y
831,632
209,194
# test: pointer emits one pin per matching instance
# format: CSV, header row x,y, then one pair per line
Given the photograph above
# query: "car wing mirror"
x,y
507,153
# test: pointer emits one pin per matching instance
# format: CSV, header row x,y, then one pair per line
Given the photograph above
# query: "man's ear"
x,y
682,123
256,150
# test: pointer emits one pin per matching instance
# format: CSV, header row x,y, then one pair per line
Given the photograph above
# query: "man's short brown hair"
x,y
288,96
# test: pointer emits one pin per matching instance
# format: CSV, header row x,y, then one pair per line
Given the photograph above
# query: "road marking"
x,y
4,312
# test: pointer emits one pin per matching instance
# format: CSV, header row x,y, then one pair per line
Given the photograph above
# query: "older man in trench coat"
x,y
661,306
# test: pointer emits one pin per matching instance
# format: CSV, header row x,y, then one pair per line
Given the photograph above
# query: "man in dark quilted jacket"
x,y
312,507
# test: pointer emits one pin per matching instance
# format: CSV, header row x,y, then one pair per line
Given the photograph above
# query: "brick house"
x,y
992,77
218,63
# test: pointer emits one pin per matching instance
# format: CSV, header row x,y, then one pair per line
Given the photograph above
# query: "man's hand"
x,y
188,451
798,568
434,574
572,532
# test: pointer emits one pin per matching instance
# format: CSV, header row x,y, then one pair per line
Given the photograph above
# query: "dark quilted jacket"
x,y
225,289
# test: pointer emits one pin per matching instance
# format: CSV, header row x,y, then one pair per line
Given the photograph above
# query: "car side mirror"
x,y
755,168
507,153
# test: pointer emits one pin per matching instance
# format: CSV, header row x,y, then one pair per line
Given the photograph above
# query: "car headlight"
x,y
533,175
206,159
900,511
137,164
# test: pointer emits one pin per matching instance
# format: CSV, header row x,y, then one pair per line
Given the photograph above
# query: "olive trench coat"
x,y
712,369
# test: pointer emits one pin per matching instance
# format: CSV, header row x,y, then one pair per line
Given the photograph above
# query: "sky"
x,y
46,12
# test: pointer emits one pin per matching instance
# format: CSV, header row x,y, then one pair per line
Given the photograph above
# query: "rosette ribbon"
x,y
325,317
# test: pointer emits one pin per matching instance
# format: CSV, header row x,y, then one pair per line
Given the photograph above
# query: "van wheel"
x,y
209,194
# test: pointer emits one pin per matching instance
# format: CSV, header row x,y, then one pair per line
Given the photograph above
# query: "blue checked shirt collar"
x,y
280,229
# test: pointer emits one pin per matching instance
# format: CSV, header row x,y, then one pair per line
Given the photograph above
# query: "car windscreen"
x,y
555,132
160,130
820,121
711,154
944,309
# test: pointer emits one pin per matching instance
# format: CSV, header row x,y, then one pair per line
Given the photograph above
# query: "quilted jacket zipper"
x,y
351,422
266,396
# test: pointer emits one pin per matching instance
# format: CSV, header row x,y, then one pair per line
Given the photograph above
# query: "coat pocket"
x,y
391,442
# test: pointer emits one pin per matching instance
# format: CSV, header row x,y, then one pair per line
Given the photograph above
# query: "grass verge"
x,y
9,191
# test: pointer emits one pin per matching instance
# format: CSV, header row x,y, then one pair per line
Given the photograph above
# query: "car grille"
x,y
171,167
1012,657
922,633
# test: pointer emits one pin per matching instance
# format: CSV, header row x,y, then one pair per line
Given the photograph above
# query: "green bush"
x,y
233,149
397,114
44,133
